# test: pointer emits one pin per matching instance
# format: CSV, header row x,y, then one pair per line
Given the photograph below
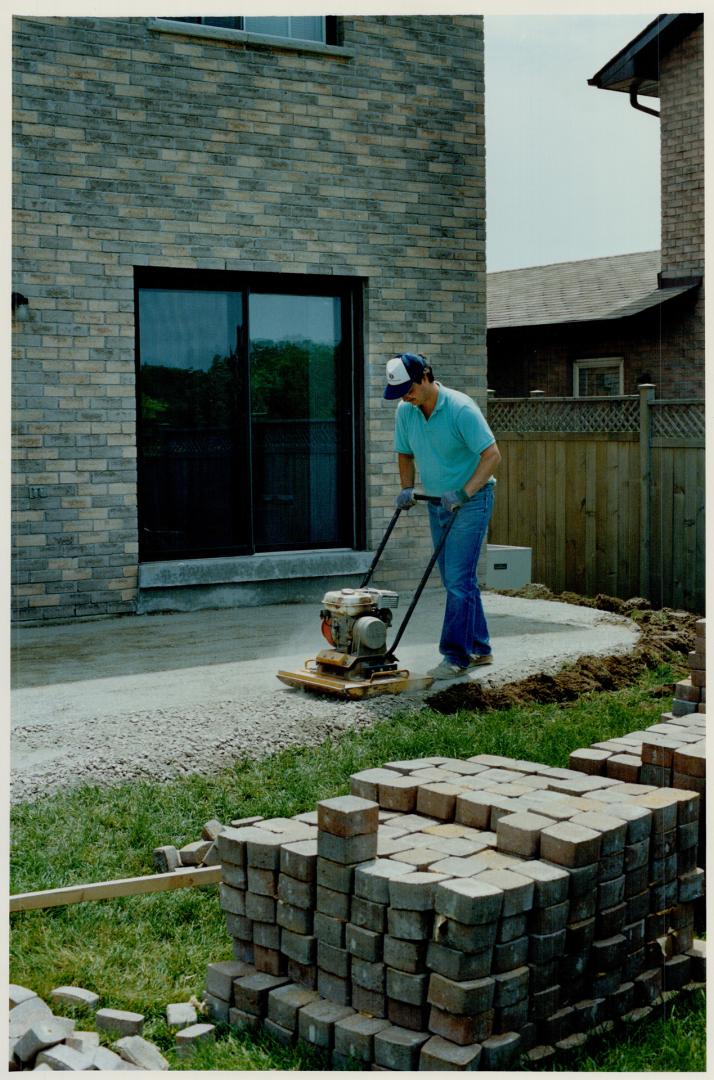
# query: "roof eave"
x,y
636,66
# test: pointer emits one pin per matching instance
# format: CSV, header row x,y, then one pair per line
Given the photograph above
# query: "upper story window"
x,y
319,28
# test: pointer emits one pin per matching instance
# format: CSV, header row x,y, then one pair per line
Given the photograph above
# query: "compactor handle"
x,y
380,549
420,588
388,533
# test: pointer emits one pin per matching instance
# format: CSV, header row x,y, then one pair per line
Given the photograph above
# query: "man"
x,y
443,433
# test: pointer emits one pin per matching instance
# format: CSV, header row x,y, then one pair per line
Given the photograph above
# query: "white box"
x,y
507,567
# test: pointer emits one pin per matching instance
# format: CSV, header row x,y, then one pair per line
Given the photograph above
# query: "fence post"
x,y
647,392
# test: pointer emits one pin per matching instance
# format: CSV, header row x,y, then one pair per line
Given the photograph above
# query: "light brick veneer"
x,y
141,148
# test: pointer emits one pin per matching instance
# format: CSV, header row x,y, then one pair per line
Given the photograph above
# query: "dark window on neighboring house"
x,y
320,28
247,413
598,377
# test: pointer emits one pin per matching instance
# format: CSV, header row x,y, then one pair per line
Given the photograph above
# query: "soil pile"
x,y
666,635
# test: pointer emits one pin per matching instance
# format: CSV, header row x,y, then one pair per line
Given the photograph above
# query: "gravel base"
x,y
196,719
161,744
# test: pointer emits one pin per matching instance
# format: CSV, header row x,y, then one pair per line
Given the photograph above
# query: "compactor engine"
x,y
354,624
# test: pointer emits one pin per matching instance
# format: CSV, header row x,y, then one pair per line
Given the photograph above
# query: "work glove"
x,y
405,499
452,500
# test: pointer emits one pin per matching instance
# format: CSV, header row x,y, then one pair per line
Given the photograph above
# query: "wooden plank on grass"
x,y
106,890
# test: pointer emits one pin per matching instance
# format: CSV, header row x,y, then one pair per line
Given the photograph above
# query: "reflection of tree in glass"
x,y
291,380
180,397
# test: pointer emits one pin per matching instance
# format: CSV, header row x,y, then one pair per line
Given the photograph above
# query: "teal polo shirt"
x,y
447,446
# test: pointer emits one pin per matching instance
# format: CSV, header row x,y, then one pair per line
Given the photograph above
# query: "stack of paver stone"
x,y
459,914
670,754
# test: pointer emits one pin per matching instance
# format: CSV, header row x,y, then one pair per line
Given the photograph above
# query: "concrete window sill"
x,y
286,577
272,566
247,40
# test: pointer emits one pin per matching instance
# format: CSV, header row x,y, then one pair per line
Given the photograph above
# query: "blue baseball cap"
x,y
402,372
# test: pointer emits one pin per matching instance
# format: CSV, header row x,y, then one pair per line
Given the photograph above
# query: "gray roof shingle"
x,y
582,291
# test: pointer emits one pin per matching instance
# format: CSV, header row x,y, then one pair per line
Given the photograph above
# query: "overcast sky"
x,y
572,172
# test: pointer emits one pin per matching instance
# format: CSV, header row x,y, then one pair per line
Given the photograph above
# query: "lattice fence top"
x,y
678,419
565,414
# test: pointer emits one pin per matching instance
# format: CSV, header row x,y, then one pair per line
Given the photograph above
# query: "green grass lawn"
x,y
674,1043
144,952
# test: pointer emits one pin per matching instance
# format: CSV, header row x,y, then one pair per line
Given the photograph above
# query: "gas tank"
x,y
356,602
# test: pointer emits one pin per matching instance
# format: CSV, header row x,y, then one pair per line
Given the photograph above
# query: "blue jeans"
x,y
464,631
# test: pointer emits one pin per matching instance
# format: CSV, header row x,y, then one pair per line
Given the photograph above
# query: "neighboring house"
x,y
223,228
590,327
601,325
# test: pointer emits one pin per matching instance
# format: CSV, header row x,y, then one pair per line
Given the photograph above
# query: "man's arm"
x,y
485,469
407,472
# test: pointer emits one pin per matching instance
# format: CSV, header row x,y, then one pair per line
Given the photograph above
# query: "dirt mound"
x,y
666,635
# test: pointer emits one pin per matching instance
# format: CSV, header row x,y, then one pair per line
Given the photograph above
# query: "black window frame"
x,y
351,292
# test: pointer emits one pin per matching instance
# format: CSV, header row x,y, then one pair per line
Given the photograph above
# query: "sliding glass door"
x,y
246,415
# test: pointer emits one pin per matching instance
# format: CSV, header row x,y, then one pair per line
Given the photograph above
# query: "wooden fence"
x,y
608,493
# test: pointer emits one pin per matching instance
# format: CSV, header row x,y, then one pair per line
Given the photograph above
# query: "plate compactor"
x,y
355,623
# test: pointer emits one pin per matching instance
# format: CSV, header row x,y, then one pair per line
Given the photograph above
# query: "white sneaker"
x,y
447,670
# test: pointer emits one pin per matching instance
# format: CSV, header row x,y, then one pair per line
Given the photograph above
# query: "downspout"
x,y
636,105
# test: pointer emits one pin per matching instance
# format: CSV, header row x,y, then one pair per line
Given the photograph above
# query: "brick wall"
x,y
140,148
682,164
682,155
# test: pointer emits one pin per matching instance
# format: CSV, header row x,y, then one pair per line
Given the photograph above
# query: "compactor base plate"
x,y
388,682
